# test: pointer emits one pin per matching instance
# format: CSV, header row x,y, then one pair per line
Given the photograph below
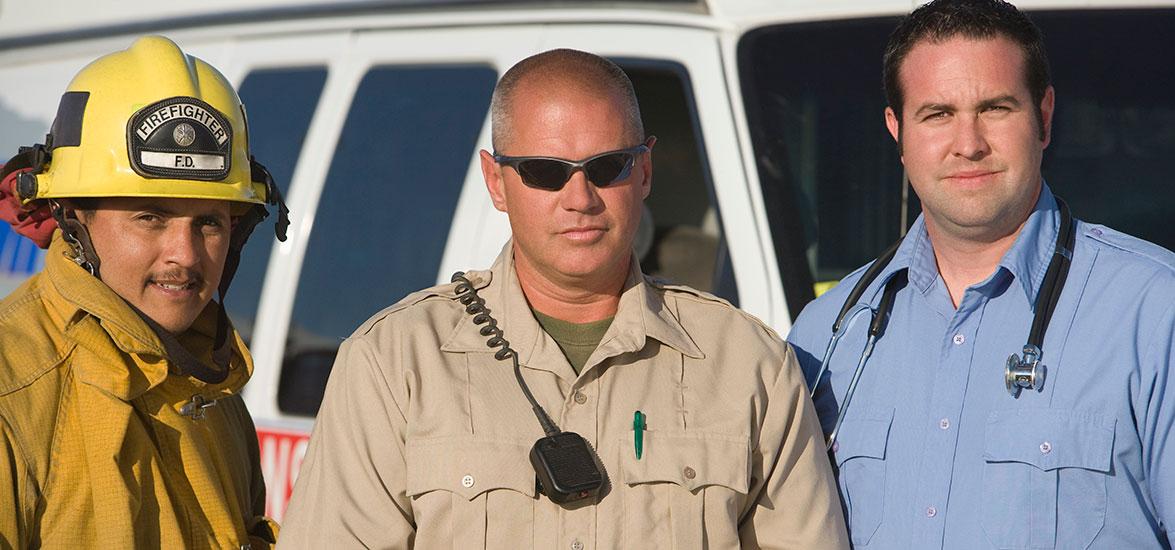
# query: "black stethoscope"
x,y
1020,372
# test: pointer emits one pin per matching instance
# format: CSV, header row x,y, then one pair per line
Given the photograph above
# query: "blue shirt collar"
x,y
1026,261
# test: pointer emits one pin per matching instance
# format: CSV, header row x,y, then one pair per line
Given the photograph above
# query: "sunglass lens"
x,y
608,168
543,173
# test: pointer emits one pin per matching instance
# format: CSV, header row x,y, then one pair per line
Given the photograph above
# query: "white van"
x,y
774,173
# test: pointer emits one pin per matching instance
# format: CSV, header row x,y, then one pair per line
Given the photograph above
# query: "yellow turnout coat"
x,y
97,448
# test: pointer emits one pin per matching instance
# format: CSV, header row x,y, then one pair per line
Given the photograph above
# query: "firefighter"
x,y
121,421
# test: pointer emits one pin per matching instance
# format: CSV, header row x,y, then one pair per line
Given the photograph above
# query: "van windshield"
x,y
830,174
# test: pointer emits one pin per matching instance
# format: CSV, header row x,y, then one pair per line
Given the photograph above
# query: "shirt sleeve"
x,y
1159,429
796,505
351,489
810,336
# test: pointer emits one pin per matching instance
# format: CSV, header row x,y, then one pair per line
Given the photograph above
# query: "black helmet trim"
x,y
180,138
67,126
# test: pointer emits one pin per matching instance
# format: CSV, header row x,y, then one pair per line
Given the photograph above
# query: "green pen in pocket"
x,y
638,433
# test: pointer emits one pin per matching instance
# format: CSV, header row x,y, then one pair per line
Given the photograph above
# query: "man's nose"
x,y
970,140
579,194
181,244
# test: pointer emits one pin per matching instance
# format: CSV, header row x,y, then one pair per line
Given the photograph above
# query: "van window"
x,y
1114,128
681,238
385,212
279,104
830,174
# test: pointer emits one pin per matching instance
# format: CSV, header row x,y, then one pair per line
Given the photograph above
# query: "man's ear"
x,y
491,171
894,126
71,210
647,168
1047,104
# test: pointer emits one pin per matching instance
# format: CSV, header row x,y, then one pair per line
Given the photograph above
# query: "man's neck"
x,y
964,262
575,301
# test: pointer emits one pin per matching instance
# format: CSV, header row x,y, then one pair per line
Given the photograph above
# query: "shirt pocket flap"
x,y
691,460
468,466
865,435
1050,439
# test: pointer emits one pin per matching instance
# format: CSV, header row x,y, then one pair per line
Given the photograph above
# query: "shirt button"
x,y
576,545
1046,447
835,446
944,424
467,481
959,339
580,397
689,472
931,512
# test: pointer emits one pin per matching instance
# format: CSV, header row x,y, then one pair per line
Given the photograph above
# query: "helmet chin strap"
x,y
77,237
242,229
221,351
82,253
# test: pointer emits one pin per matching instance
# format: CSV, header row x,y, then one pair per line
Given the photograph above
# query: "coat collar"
x,y
100,321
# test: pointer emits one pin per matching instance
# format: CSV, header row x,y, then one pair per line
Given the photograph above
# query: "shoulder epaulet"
x,y
690,292
446,291
670,286
1132,245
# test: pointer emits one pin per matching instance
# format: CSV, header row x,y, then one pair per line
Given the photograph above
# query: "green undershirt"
x,y
576,340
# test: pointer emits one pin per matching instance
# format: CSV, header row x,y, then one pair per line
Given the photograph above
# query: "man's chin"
x,y
173,322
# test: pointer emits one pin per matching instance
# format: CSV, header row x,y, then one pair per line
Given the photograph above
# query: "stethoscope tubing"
x,y
1047,299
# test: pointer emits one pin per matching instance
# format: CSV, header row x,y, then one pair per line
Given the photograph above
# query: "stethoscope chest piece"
x,y
1024,372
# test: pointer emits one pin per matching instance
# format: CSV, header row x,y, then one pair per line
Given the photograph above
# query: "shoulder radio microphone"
x,y
564,462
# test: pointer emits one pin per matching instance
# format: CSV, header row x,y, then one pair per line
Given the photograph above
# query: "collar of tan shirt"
x,y
642,314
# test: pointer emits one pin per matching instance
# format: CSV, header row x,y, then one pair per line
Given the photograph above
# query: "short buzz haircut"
x,y
582,69
941,20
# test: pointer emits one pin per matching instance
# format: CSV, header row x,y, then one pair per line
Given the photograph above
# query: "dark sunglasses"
x,y
552,173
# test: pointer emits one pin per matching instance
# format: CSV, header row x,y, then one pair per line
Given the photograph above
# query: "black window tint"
x,y
385,211
831,177
1114,127
279,104
682,238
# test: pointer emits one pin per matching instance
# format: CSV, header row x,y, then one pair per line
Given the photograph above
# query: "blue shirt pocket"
x,y
860,459
1044,477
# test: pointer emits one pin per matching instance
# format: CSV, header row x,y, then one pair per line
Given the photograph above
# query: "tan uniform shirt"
x,y
94,450
423,437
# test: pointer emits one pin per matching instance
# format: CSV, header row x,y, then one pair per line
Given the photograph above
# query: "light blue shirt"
x,y
934,452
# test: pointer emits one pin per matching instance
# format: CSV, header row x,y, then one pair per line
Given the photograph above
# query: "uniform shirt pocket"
x,y
470,493
1044,477
682,481
860,459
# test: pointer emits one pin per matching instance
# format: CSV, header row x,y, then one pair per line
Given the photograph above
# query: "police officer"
x,y
958,434
121,421
692,412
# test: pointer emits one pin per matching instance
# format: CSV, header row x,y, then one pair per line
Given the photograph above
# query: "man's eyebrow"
x,y
156,207
1009,100
935,108
162,209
